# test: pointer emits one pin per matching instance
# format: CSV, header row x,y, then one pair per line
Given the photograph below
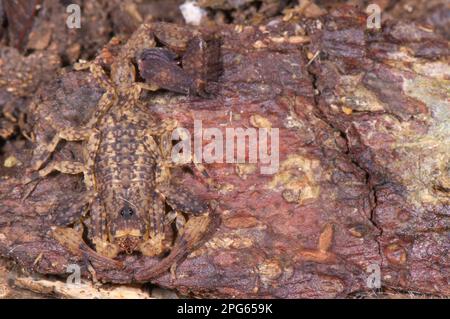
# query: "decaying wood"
x,y
84,290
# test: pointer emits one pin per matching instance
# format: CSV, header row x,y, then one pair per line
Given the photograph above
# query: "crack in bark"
x,y
373,199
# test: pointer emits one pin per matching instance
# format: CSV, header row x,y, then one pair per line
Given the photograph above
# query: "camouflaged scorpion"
x,y
126,170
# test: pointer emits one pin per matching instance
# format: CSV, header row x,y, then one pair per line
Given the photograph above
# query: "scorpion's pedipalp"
x,y
194,231
43,151
73,241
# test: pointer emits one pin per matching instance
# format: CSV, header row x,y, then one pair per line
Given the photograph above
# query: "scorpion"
x,y
126,171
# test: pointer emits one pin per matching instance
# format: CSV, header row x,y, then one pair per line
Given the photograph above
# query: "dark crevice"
x,y
373,198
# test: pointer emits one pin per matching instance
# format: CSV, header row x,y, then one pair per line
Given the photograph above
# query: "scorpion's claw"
x,y
73,241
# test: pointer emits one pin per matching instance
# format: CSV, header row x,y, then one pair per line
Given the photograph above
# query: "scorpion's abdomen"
x,y
123,161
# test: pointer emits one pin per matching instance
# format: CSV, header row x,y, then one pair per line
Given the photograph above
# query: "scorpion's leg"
x,y
178,218
148,86
72,167
65,167
133,113
89,157
164,163
43,151
100,76
166,151
195,230
181,199
108,98
161,152
142,118
69,167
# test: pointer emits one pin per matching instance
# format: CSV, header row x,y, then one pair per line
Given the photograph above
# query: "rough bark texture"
x,y
389,98
363,179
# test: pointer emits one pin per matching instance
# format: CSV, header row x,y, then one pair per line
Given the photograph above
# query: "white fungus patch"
x,y
192,13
